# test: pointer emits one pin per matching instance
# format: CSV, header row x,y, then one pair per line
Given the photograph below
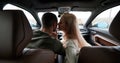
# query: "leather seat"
x,y
100,54
103,54
37,56
15,34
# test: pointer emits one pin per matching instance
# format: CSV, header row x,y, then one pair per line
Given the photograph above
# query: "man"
x,y
46,37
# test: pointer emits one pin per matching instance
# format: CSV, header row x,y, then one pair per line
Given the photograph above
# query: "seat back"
x,y
114,27
15,34
38,56
100,54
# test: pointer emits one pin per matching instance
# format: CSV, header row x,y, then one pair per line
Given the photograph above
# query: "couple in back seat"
x,y
46,38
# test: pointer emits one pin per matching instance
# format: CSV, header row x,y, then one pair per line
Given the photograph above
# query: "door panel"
x,y
102,37
99,28
100,40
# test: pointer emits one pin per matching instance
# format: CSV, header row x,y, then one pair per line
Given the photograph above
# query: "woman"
x,y
73,39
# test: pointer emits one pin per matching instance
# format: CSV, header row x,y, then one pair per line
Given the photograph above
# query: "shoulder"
x,y
55,40
37,32
70,42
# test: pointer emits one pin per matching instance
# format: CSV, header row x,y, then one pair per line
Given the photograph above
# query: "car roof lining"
x,y
79,5
52,5
46,4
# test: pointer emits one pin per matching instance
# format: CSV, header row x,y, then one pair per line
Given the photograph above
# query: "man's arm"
x,y
59,48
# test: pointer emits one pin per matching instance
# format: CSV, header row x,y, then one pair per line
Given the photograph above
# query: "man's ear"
x,y
54,26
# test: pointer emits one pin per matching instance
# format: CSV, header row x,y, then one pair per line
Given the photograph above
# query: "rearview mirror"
x,y
62,10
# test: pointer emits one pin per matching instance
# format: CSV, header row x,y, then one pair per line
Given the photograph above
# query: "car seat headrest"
x,y
114,27
15,33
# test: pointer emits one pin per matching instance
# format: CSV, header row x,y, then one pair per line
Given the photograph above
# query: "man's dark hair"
x,y
48,19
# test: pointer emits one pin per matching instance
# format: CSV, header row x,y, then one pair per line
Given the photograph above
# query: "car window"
x,y
82,17
30,18
104,19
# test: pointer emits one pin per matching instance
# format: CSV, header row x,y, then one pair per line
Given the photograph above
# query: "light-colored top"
x,y
72,51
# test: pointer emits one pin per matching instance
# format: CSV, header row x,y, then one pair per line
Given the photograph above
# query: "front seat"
x,y
15,34
103,54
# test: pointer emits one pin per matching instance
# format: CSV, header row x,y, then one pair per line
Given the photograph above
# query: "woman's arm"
x,y
70,53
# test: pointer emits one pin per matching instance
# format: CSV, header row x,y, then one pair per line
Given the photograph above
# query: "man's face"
x,y
55,26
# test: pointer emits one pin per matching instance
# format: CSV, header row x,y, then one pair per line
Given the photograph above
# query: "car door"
x,y
99,28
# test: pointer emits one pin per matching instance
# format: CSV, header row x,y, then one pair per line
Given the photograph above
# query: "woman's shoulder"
x,y
70,42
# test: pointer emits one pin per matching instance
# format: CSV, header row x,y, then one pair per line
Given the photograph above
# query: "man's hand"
x,y
54,34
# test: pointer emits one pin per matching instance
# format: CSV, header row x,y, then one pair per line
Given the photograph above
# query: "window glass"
x,y
82,17
30,18
103,20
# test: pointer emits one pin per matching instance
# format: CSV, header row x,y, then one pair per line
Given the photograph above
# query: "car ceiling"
x,y
38,5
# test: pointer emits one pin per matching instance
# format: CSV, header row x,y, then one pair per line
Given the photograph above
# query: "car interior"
x,y
98,22
103,54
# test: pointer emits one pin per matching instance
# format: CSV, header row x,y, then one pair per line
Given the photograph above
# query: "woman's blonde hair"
x,y
71,30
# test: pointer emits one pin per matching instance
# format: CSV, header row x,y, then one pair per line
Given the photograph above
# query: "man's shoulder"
x,y
40,34
57,41
54,39
37,31
44,36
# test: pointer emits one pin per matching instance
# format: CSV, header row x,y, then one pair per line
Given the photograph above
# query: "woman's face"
x,y
61,25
